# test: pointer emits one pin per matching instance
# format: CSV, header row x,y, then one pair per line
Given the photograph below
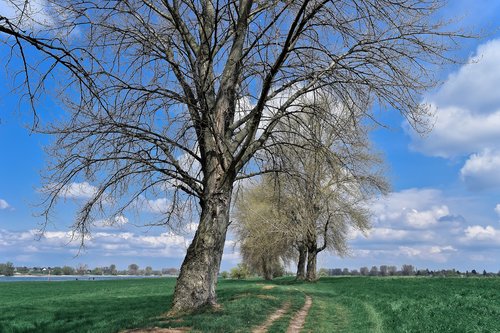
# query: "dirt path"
x,y
272,318
299,319
158,330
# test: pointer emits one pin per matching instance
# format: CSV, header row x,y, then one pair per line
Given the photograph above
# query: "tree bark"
x,y
301,264
312,255
197,280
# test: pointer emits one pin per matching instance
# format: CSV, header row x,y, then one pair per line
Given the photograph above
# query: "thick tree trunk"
x,y
301,264
197,280
312,257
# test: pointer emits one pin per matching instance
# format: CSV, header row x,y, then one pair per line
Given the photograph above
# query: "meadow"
x,y
341,304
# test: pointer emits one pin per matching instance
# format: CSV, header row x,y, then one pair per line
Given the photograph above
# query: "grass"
x,y
339,305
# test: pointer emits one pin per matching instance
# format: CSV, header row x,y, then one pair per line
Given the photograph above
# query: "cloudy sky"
x,y
443,211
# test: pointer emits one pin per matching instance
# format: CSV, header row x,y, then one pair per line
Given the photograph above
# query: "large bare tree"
x,y
180,95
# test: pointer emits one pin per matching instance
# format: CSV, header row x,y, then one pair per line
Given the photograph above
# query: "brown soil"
x,y
272,318
299,319
268,287
159,330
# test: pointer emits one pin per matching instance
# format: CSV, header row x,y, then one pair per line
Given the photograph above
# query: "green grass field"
x,y
339,305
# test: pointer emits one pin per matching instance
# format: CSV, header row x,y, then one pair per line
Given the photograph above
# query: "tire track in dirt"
x,y
299,319
272,318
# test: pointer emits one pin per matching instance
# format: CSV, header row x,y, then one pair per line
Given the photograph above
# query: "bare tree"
x,y
328,175
178,96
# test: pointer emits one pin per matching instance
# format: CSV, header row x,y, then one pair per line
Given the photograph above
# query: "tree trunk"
x,y
312,256
197,280
267,271
301,265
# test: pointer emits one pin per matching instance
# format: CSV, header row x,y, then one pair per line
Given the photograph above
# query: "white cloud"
x,y
4,204
78,191
429,253
459,132
497,209
415,208
467,108
480,171
480,234
115,222
387,234
100,243
419,226
35,13
157,206
426,218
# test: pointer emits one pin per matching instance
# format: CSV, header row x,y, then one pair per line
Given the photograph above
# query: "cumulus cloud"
x,y
467,108
78,191
101,243
414,208
480,171
428,253
156,206
408,254
114,222
419,226
482,234
4,204
159,206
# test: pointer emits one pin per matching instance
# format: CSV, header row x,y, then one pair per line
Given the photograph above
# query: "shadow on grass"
x,y
243,304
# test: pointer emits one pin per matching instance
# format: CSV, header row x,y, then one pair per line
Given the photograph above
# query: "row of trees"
x,y
8,269
184,98
406,270
329,174
243,271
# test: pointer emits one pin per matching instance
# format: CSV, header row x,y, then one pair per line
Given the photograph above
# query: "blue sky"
x,y
443,211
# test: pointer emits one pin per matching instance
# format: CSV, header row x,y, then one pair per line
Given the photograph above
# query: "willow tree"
x,y
177,96
264,233
328,175
331,175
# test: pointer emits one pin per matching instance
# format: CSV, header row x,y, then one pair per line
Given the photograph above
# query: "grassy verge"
x,y
339,305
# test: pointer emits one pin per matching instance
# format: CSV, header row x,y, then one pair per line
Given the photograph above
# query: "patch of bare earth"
x,y
159,330
268,287
272,318
299,319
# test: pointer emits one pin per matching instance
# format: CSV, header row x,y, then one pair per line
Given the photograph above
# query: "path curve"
x,y
299,319
272,318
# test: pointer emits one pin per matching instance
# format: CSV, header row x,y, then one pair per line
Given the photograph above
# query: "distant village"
x,y
8,269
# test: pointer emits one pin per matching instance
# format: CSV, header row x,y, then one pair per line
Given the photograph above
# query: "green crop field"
x,y
350,304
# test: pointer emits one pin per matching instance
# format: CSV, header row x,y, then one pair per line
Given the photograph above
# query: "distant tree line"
x,y
405,270
8,269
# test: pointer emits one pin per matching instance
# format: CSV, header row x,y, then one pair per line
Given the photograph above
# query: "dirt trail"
x,y
158,330
272,318
299,319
